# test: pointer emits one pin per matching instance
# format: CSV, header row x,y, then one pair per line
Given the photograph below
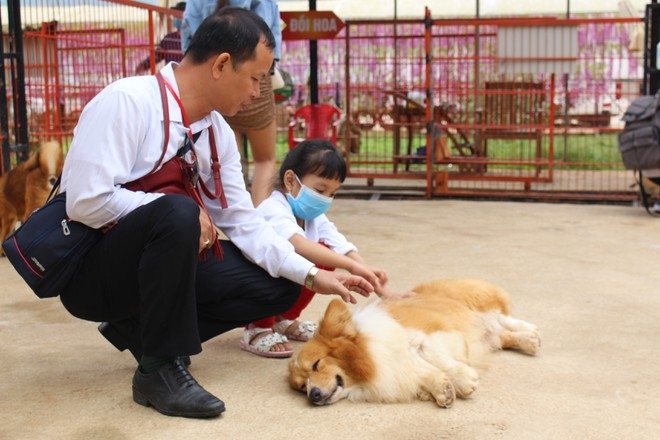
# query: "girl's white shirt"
x,y
277,210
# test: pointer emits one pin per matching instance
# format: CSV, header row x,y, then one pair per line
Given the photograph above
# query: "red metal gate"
x,y
516,108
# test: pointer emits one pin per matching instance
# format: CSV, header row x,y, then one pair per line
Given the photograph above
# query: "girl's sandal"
x,y
257,343
296,330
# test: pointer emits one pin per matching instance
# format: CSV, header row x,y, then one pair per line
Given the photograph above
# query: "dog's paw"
x,y
465,379
438,388
525,341
445,395
424,396
530,342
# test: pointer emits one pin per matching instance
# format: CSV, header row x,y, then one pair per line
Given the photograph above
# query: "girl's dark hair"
x,y
236,31
313,156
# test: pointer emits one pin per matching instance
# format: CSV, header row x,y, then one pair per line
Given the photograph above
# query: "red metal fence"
x,y
518,108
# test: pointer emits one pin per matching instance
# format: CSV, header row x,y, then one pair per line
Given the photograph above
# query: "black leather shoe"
x,y
117,335
173,391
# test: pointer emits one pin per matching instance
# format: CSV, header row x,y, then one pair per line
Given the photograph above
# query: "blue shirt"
x,y
197,10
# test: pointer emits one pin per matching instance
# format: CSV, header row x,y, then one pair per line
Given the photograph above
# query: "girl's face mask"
x,y
308,204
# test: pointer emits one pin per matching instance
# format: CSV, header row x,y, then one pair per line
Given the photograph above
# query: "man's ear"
x,y
221,64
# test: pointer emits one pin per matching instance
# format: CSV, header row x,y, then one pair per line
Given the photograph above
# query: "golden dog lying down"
x,y
422,347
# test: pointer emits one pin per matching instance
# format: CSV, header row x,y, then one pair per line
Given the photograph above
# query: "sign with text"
x,y
310,25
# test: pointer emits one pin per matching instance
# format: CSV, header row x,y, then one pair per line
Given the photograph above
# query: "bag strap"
x,y
217,181
53,190
215,163
166,121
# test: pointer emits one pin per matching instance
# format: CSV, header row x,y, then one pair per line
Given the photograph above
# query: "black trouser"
x,y
146,271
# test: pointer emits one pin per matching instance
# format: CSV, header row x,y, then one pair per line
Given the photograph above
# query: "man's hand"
x,y
342,284
208,232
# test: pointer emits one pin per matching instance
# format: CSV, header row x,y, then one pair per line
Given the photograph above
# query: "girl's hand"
x,y
342,284
386,293
364,271
381,274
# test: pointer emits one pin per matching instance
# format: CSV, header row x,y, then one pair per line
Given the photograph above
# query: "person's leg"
x,y
242,143
143,271
304,299
258,124
260,339
265,323
287,323
262,146
235,292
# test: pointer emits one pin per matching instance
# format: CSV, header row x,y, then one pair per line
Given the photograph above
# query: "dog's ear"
x,y
353,359
337,321
348,348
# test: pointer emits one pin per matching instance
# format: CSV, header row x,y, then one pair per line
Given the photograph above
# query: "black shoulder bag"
x,y
48,248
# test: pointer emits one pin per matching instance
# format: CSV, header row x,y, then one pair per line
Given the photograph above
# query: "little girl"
x,y
309,177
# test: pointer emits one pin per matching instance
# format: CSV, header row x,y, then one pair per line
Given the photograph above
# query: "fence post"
x,y
17,72
651,54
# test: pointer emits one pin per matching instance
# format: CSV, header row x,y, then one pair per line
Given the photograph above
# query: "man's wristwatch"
x,y
309,279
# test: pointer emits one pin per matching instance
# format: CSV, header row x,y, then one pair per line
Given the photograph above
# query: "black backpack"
x,y
639,142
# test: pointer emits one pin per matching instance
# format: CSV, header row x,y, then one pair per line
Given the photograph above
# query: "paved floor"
x,y
586,275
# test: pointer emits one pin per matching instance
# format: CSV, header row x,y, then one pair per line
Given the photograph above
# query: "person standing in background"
x,y
169,48
257,122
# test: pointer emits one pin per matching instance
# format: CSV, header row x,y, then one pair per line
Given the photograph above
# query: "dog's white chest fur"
x,y
399,353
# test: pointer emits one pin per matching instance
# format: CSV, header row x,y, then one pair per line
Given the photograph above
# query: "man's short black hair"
x,y
236,31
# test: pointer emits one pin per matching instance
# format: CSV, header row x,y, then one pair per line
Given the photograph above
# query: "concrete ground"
x,y
586,275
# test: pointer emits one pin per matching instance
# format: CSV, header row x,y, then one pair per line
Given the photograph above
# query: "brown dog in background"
x,y
26,187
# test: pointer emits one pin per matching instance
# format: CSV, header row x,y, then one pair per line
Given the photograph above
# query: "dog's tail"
x,y
32,162
50,160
